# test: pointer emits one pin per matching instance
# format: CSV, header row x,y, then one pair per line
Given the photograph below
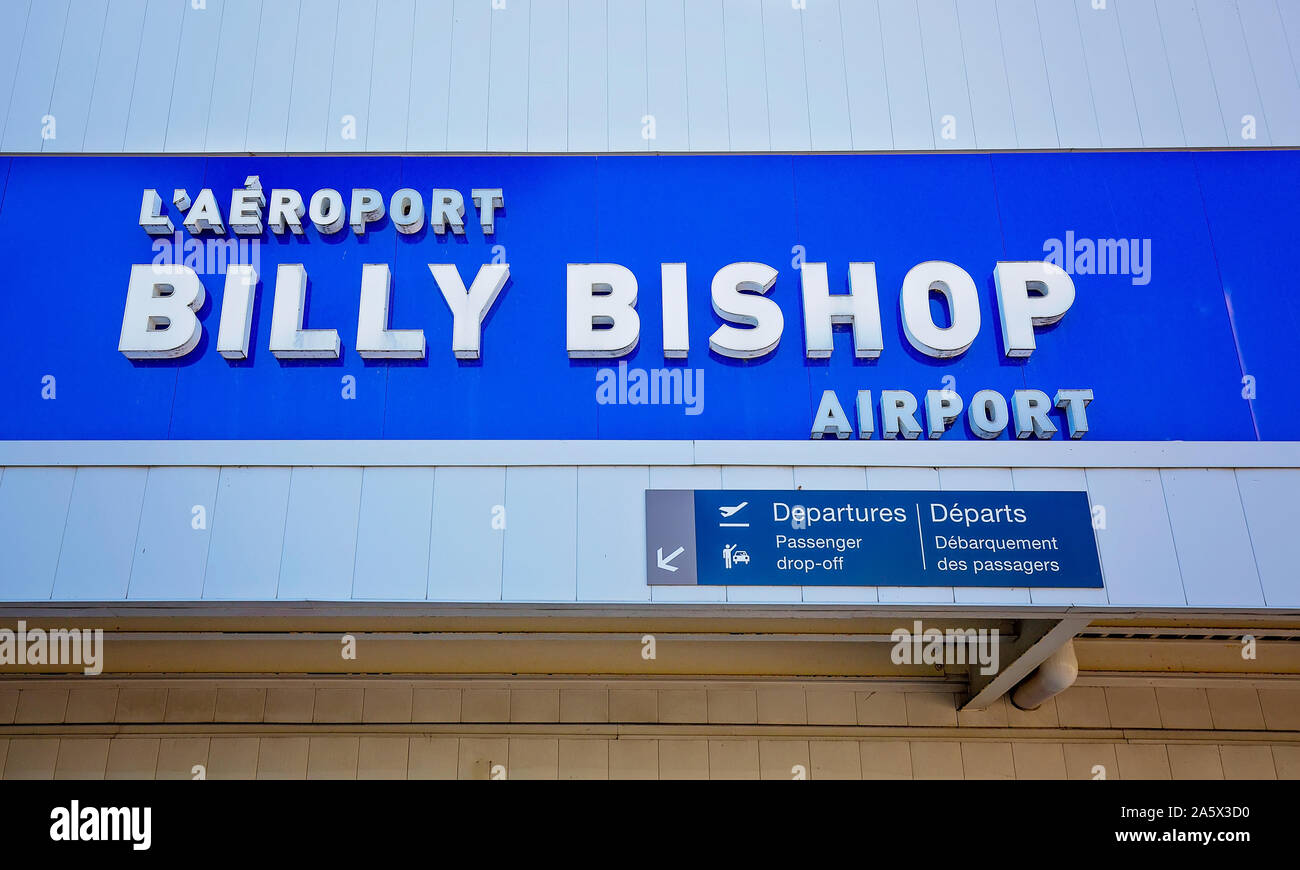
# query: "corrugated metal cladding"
x,y
646,75
1173,537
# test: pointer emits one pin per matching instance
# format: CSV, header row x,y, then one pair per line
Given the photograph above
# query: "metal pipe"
x,y
1056,674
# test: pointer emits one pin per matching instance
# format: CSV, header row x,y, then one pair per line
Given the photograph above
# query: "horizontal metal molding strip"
x,y
954,454
782,152
622,731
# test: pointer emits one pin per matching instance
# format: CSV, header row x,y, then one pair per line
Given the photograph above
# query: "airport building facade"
x,y
513,389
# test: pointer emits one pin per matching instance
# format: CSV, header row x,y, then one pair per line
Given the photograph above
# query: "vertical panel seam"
x,y
965,76
568,83
1286,42
1209,65
9,102
370,80
58,61
1047,76
1250,538
207,553
329,96
406,119
1173,535
284,529
505,503
767,86
1101,551
212,85
216,63
1006,75
645,53
605,56
293,65
925,77
451,41
726,88
1173,85
884,69
67,511
487,101
1254,79
428,543
576,527
94,75
356,531
139,522
807,98
1087,71
686,75
1128,73
528,71
171,88
248,112
356,537
577,533
844,67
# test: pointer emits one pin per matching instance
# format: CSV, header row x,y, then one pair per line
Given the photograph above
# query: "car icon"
x,y
740,557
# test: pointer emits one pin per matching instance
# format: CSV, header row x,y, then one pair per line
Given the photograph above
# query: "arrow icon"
x,y
663,563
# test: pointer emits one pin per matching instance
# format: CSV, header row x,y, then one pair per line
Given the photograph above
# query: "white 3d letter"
x,y
374,339
963,309
677,338
601,294
1020,312
860,307
236,311
469,308
159,321
737,292
288,339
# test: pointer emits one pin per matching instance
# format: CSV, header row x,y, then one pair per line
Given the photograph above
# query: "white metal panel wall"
x,y
1057,479
173,536
33,506
268,110
247,537
583,75
1168,538
33,85
393,534
687,477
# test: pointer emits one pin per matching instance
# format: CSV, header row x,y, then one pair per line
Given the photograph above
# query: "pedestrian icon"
x,y
732,556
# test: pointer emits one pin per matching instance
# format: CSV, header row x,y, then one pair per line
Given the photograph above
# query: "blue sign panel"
x,y
870,538
1174,327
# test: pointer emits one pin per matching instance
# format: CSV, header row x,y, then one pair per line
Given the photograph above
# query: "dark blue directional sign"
x,y
875,538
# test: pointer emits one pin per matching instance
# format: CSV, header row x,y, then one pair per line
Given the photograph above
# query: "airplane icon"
x,y
728,512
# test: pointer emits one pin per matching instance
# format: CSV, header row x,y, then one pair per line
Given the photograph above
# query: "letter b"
x,y
160,320
601,294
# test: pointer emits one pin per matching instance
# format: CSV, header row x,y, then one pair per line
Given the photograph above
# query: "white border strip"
x,y
951,454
